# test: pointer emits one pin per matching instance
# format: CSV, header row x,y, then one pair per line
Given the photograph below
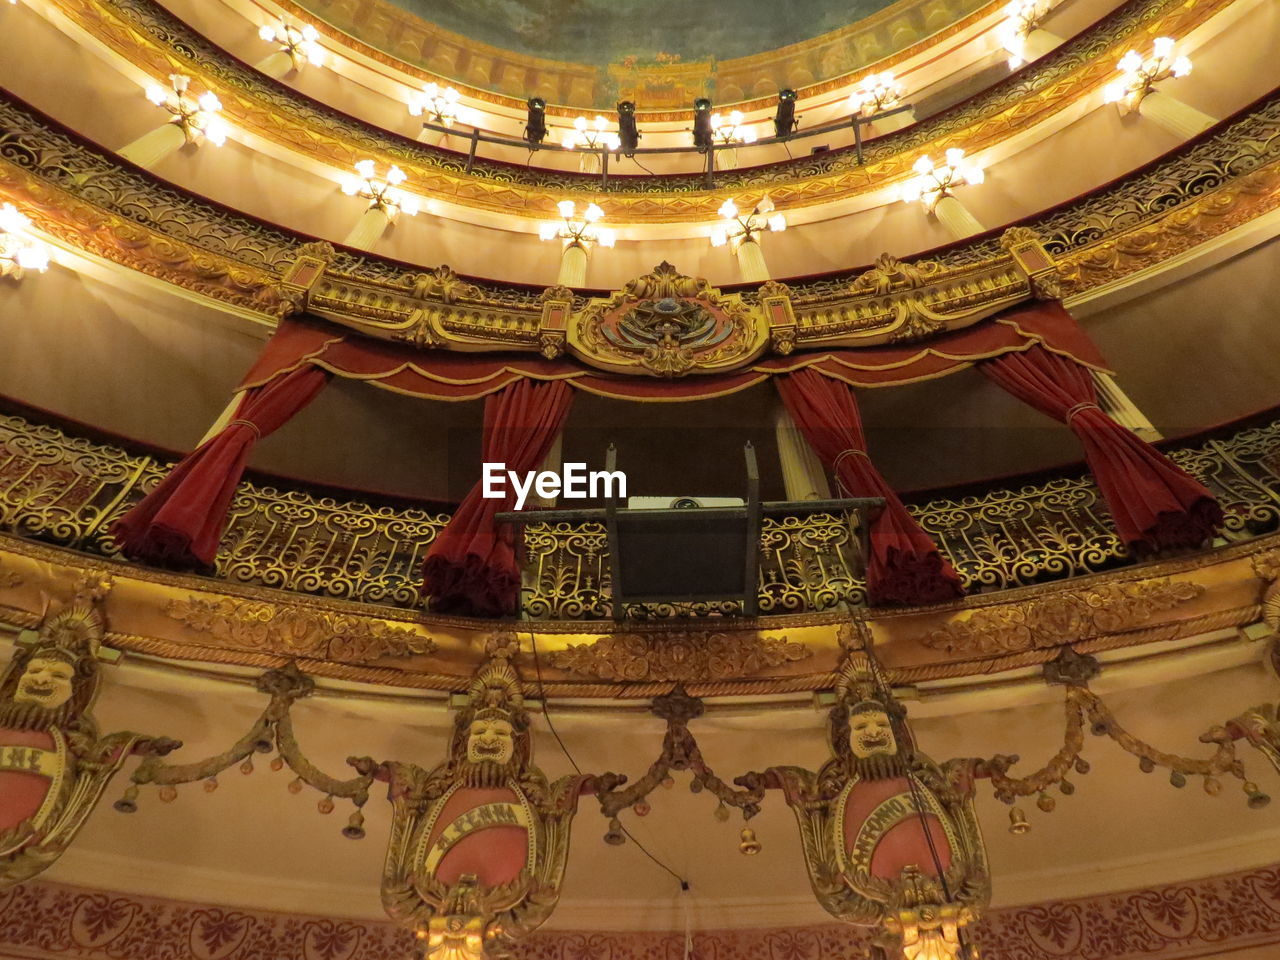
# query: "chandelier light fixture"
x,y
440,105
575,230
302,44
384,194
1138,75
1021,17
934,183
732,130
739,228
198,119
18,251
876,92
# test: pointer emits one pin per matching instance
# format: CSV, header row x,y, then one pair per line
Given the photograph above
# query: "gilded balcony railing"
x,y
64,489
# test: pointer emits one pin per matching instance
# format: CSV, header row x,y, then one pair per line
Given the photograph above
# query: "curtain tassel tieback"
x,y
257,432
1079,408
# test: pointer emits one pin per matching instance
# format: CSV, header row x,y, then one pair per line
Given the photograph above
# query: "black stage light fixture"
x,y
535,127
784,121
702,136
628,133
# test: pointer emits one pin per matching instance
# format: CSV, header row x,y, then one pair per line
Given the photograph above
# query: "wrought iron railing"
x,y
64,489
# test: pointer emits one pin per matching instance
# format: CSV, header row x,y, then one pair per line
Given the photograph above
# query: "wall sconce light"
x,y
784,118
740,228
441,105
1139,75
731,131
935,183
578,230
383,194
591,136
876,92
19,252
1021,17
302,44
198,119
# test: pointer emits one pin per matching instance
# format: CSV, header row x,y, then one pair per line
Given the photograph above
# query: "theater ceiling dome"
x,y
660,53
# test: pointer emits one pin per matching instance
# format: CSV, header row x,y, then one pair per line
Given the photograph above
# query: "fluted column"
x,y
369,229
150,148
802,475
953,215
278,65
751,261
573,266
1180,119
1116,404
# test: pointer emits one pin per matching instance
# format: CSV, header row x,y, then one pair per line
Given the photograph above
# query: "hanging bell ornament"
x,y
1146,764
325,805
749,844
1018,823
211,785
641,808
1046,803
1212,786
295,786
168,793
1067,787
129,802
277,764
354,830
668,782
247,767
1082,766
1177,779
1257,799
722,813
695,785
614,834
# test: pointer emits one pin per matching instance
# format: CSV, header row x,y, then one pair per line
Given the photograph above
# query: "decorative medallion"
x,y
665,324
681,657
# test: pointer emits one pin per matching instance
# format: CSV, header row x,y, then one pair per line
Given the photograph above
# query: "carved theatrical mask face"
x,y
45,683
490,740
871,735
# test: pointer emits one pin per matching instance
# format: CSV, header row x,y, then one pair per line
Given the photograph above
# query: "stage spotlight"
x,y
784,121
535,128
628,134
702,133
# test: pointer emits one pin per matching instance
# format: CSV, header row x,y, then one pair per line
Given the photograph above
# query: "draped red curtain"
x,y
180,522
471,567
905,566
1154,503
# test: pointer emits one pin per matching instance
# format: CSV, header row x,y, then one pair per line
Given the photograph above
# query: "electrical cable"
x,y
641,166
546,712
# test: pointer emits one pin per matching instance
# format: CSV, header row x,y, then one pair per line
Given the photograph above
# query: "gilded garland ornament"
x,y
54,765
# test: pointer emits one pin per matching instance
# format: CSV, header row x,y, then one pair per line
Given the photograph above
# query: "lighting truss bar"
x,y
477,137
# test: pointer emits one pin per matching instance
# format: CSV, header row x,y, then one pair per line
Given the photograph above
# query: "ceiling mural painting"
x,y
660,53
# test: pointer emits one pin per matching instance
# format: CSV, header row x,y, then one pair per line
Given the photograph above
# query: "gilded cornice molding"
x,y
157,43
86,200
1216,915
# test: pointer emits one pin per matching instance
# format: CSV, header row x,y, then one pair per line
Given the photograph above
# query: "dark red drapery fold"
x,y
1155,504
905,565
180,522
471,568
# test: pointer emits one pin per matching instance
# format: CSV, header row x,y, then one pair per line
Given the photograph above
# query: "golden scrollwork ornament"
x,y
54,766
890,838
479,843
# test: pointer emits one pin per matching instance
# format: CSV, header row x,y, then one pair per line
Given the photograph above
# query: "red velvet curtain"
x,y
471,567
1154,503
905,566
180,522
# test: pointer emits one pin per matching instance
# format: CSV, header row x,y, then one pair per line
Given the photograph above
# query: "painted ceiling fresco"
x,y
601,32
